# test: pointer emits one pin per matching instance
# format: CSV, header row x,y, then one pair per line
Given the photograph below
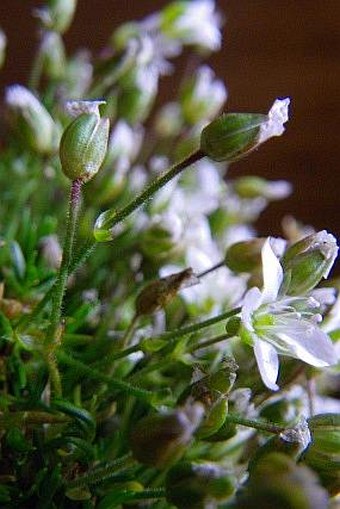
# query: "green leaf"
x,y
102,227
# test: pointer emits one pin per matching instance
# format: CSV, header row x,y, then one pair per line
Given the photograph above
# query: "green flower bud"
x,y
32,121
58,15
233,325
202,96
162,238
123,34
157,294
137,94
231,136
245,256
198,486
323,454
52,54
207,389
234,135
84,142
226,431
291,442
214,419
161,439
307,261
3,44
168,121
278,482
257,187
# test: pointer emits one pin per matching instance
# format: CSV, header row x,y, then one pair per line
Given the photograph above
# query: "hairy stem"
x,y
53,336
259,425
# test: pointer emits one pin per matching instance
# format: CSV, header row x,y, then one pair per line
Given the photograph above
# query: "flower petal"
x,y
272,273
251,301
268,363
277,117
306,341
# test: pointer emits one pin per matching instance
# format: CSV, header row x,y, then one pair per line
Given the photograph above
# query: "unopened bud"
x,y
323,454
244,256
198,486
137,94
214,418
157,294
291,442
168,121
202,96
31,119
84,142
52,54
257,187
58,14
195,24
307,261
3,44
161,439
233,135
276,481
162,238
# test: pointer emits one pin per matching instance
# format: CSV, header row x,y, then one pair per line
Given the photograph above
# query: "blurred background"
x,y
270,49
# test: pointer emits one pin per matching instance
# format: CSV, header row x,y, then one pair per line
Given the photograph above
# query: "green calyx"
x,y
83,146
231,136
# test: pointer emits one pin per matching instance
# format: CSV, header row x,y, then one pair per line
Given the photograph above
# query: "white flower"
x,y
42,132
195,23
124,145
277,117
200,25
75,108
281,324
202,95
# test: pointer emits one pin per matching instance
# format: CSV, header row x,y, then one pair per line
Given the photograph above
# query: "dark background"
x,y
271,48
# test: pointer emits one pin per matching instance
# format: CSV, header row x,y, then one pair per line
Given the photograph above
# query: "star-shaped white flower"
x,y
287,325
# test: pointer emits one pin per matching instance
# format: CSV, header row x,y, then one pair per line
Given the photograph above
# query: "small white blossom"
x,y
203,95
43,132
277,117
199,25
124,145
76,108
281,324
19,97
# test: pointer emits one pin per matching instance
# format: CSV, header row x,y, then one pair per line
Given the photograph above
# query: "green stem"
x,y
75,264
103,472
151,189
53,335
250,423
173,336
36,69
114,383
209,342
129,332
8,420
211,269
155,366
119,216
